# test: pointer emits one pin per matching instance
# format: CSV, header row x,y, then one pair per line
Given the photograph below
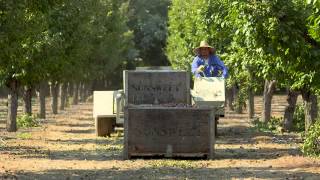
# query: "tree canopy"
x,y
148,20
62,40
261,40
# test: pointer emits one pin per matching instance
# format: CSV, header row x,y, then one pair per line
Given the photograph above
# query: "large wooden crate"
x,y
168,131
156,87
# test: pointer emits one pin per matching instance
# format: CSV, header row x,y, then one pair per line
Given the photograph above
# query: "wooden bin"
x,y
103,112
168,132
104,125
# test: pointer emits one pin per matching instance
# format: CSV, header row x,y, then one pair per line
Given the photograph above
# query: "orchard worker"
x,y
207,63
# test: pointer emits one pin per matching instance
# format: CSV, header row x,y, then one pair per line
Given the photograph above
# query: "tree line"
x,y
74,46
70,47
265,44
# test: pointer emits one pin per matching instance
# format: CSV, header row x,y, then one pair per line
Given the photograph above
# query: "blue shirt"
x,y
214,68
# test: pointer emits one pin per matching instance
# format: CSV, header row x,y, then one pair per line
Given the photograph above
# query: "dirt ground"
x,y
65,147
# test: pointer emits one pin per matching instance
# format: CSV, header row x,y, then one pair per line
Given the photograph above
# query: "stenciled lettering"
x,y
156,88
169,132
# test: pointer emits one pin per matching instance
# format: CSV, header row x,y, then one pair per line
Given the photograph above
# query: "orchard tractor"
x,y
160,114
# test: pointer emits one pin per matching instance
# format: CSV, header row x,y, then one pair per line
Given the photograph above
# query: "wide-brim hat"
x,y
204,44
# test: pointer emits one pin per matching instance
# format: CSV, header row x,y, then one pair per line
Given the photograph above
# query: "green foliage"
x,y
89,39
311,145
65,40
148,20
25,121
314,19
298,119
272,126
257,40
22,36
240,101
187,27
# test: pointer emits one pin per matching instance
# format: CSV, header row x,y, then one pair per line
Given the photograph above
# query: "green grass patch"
x,y
272,126
113,147
311,144
275,124
25,121
183,164
112,143
24,136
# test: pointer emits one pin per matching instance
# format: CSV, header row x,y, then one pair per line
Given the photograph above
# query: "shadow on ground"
x,y
255,154
100,141
168,173
247,135
81,131
76,125
114,152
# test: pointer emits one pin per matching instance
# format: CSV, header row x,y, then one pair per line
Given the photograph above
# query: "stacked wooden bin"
x,y
159,119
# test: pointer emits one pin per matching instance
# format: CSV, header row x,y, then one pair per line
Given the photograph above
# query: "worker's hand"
x,y
200,68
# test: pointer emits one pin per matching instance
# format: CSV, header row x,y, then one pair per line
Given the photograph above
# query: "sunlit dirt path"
x,y
65,147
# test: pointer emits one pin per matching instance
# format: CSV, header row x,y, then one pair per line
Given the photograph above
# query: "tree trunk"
x,y
54,97
27,98
87,91
310,108
289,110
63,96
314,107
235,91
12,106
82,92
239,109
251,102
76,94
230,98
269,88
71,89
240,101
42,100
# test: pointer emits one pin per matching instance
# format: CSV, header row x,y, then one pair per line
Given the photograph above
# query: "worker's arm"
x,y
196,67
218,61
